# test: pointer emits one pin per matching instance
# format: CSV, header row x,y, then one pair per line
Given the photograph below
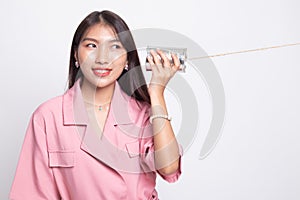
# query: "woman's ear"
x,y
76,60
75,55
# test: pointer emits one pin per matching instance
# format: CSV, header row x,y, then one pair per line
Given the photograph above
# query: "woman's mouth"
x,y
101,72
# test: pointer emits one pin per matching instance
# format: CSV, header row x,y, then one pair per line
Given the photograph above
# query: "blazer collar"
x,y
74,111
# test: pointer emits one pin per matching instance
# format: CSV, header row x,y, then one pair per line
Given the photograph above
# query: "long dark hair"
x,y
132,81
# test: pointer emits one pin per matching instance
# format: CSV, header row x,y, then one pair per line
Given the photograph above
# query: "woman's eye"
x,y
116,46
91,45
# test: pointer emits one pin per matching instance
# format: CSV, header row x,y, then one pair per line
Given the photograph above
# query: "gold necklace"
x,y
100,107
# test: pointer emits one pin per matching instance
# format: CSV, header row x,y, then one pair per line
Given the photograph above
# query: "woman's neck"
x,y
97,95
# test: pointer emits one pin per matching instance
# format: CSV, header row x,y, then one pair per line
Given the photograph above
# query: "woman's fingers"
x,y
176,62
164,59
155,57
160,63
152,64
161,60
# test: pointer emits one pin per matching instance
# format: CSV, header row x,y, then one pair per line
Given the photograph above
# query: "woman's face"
x,y
101,56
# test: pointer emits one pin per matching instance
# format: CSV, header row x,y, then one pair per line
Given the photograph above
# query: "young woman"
x,y
110,134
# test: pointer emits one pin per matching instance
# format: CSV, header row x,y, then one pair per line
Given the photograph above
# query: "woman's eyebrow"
x,y
114,40
96,41
89,39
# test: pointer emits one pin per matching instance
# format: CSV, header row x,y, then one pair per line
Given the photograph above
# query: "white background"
x,y
258,155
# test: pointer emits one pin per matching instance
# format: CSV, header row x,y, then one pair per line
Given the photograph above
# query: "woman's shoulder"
x,y
51,104
48,108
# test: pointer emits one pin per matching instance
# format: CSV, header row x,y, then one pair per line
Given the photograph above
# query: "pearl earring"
x,y
76,64
126,67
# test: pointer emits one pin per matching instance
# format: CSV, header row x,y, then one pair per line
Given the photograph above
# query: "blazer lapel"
x,y
93,141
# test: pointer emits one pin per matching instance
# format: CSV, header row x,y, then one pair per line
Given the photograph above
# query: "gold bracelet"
x,y
167,117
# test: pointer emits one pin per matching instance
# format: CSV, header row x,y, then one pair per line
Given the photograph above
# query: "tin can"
x,y
180,52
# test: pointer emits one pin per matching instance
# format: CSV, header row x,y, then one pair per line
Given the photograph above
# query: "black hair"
x,y
132,83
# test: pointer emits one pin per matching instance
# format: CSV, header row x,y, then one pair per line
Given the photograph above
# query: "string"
x,y
244,51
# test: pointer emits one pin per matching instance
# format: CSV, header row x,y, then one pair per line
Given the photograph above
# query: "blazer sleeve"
x,y
147,154
34,178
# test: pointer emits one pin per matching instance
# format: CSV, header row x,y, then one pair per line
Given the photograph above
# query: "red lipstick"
x,y
101,72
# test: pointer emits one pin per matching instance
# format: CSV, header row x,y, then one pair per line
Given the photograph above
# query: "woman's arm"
x,y
165,143
33,178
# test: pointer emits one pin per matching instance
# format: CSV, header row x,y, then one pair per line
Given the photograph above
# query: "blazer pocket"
x,y
133,149
61,158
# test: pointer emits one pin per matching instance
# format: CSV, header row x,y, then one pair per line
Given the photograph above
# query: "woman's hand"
x,y
162,71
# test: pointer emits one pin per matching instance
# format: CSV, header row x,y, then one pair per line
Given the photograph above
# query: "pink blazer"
x,y
64,157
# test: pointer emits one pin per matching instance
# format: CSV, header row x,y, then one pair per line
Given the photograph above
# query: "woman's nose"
x,y
102,56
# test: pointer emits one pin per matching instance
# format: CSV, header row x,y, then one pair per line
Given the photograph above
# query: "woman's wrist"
x,y
156,90
157,98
